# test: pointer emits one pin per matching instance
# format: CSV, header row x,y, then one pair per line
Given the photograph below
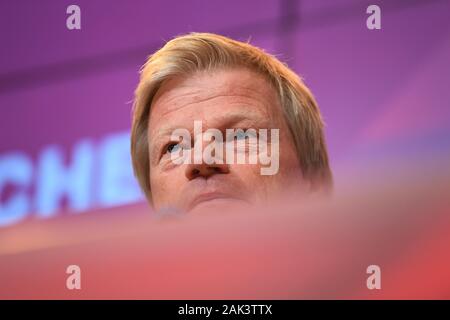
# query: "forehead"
x,y
212,95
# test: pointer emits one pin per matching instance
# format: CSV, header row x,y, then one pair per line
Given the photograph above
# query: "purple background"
x,y
382,93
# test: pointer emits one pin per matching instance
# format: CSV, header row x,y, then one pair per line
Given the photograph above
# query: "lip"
x,y
204,197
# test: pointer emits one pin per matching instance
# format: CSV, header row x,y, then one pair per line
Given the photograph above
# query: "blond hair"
x,y
193,52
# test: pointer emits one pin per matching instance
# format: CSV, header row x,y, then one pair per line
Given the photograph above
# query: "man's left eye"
x,y
240,136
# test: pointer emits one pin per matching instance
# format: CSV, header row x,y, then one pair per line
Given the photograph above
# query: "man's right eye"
x,y
172,147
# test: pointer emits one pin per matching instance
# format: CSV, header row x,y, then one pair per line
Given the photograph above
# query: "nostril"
x,y
195,172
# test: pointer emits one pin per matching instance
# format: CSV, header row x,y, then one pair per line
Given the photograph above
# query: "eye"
x,y
244,134
172,147
240,135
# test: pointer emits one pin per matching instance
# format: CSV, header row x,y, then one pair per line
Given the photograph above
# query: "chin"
x,y
219,205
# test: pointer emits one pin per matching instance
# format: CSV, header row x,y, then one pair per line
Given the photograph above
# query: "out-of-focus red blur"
x,y
315,249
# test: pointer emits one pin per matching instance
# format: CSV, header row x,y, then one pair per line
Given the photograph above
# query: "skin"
x,y
224,98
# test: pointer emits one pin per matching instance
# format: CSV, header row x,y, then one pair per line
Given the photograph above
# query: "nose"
x,y
205,170
208,168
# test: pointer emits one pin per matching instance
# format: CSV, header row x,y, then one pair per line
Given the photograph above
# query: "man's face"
x,y
221,99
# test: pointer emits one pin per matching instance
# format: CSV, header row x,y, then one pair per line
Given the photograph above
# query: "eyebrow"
x,y
228,121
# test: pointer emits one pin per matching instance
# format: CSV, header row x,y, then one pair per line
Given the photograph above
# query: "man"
x,y
204,83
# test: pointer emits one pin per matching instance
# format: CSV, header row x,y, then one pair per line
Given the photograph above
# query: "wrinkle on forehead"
x,y
202,86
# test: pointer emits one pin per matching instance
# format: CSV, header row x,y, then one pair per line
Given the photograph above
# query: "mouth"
x,y
210,197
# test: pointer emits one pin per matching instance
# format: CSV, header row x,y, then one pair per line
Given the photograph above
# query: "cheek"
x,y
288,160
247,173
288,153
250,176
163,186
290,172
